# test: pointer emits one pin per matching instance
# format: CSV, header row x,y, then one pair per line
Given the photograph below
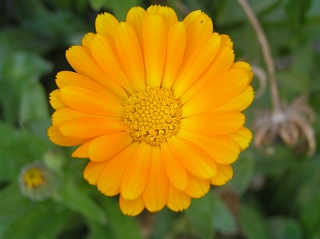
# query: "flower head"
x,y
36,181
155,104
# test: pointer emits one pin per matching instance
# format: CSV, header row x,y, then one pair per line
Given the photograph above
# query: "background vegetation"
x,y
275,190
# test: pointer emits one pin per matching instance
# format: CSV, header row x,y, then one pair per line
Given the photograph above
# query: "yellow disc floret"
x,y
153,115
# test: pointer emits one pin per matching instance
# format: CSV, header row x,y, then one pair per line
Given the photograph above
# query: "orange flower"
x,y
155,105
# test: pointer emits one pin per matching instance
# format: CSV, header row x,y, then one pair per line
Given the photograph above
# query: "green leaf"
x,y
18,148
200,215
163,223
223,220
34,104
45,220
310,217
97,4
285,228
243,172
120,8
19,71
122,226
77,200
252,223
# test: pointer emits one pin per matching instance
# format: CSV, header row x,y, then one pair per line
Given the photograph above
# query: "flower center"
x,y
152,115
33,177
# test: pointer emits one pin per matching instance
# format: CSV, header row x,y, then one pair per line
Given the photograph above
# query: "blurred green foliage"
x,y
274,193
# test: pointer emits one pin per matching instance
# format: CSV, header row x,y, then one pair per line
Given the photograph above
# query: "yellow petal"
x,y
106,24
90,102
131,207
197,63
221,63
137,173
221,148
197,30
82,61
93,170
176,173
155,195
153,9
174,54
168,15
244,66
217,92
66,114
214,123
130,54
177,199
189,19
104,52
226,41
197,187
69,78
154,49
224,174
56,137
82,151
109,183
135,18
243,137
55,100
89,127
86,40
192,157
240,102
108,146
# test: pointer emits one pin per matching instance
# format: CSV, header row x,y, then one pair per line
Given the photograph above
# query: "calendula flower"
x,y
36,181
155,104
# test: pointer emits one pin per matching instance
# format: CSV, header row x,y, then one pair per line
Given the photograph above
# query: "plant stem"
x,y
266,54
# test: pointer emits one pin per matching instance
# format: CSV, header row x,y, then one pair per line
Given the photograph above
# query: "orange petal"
x,y
174,170
221,63
177,200
137,173
154,49
104,52
69,78
198,29
109,182
81,59
243,137
168,15
221,148
197,187
131,207
56,137
153,9
224,174
82,151
93,170
108,146
214,123
174,54
155,195
217,92
189,19
196,63
90,102
192,157
55,100
130,54
135,18
106,24
244,66
66,114
240,102
86,40
89,127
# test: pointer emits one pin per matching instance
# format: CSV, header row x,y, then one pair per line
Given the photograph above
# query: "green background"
x,y
274,193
